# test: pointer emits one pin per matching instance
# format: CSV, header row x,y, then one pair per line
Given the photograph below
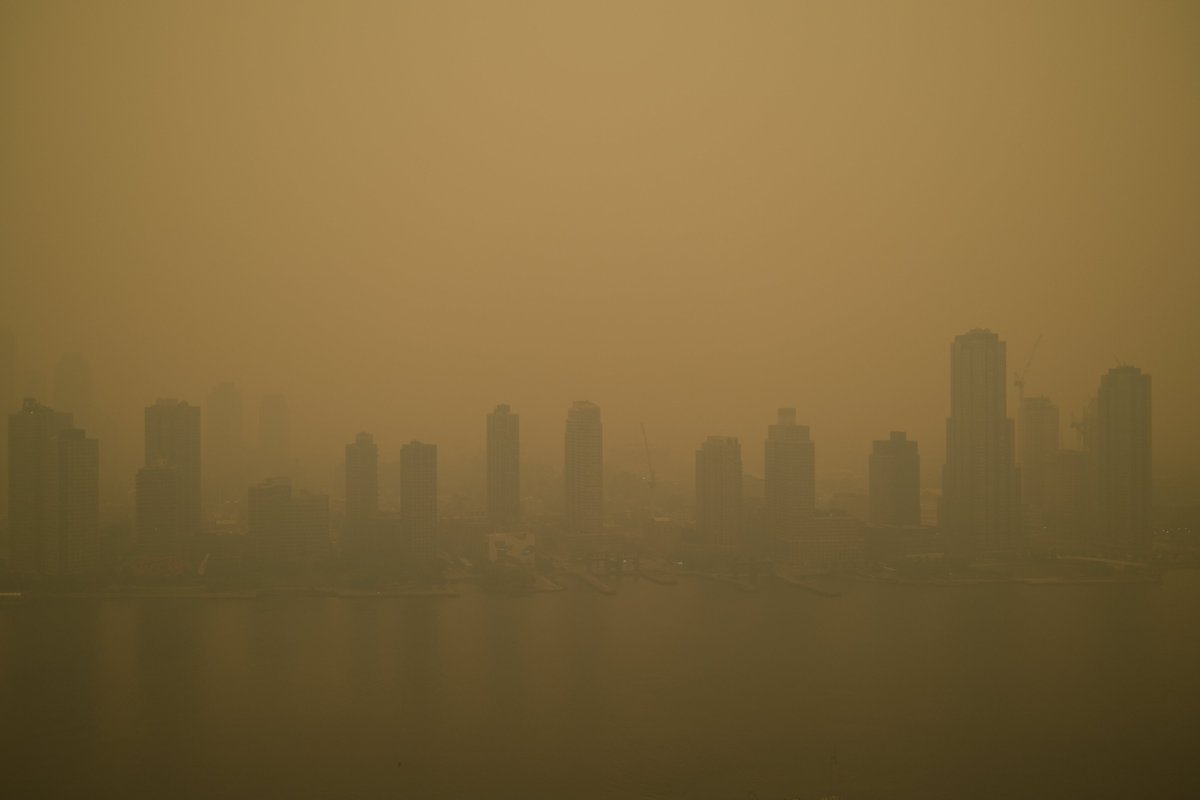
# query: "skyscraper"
x,y
78,502
894,472
1067,500
1038,441
584,469
8,405
362,490
8,371
159,525
789,470
275,436
268,512
73,389
54,486
980,494
173,440
504,467
418,497
224,446
719,492
1123,469
32,481
285,526
310,526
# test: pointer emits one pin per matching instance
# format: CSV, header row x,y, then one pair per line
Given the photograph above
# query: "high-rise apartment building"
x,y
54,474
894,473
1123,466
285,526
719,492
362,491
32,484
78,502
584,469
275,436
159,525
310,540
173,440
504,467
418,497
1038,441
9,404
789,471
980,495
1068,496
224,446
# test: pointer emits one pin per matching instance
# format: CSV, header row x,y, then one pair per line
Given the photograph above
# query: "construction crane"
x,y
650,481
1019,377
1077,425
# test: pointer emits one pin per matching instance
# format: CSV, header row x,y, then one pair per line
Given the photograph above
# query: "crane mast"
x,y
650,480
1019,377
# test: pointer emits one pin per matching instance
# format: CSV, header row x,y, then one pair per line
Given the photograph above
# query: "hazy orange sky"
x,y
401,214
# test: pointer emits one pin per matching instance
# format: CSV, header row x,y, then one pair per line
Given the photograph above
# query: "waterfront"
x,y
692,690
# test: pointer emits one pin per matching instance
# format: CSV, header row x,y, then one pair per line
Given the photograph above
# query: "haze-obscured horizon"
x,y
690,214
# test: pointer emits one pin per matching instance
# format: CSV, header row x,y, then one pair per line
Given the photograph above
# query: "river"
x,y
696,690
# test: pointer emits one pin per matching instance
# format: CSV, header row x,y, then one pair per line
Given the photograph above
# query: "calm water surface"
x,y
689,691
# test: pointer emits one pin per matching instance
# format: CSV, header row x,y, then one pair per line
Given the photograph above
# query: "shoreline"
x,y
584,580
1029,581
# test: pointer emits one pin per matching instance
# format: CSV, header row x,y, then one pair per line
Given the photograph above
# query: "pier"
x,y
745,586
593,581
655,576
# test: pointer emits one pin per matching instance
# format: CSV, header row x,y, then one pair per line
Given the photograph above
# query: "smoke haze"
x,y
399,215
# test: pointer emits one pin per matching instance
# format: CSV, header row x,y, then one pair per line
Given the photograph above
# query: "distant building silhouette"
x,y
894,474
418,497
78,502
173,440
1068,496
789,472
224,446
719,492
8,372
9,403
1123,468
310,526
584,469
159,524
73,389
1038,441
980,494
286,527
275,436
362,491
504,467
54,477
268,514
830,539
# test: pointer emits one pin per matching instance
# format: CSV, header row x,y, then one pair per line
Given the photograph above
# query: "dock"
x,y
796,581
383,593
745,586
655,576
544,584
593,581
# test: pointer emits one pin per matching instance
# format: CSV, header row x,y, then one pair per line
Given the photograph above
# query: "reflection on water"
x,y
690,691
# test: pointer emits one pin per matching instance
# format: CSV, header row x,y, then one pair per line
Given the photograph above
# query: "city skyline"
x,y
690,400
672,458
1100,492
226,448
